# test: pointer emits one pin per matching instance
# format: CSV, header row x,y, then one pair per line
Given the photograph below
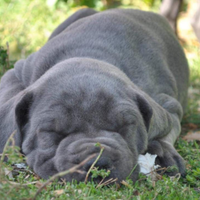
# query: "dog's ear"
x,y
145,110
22,110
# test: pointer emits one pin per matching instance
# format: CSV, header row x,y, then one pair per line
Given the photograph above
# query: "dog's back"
x,y
140,43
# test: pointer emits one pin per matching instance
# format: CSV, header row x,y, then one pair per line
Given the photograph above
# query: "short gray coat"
x,y
117,77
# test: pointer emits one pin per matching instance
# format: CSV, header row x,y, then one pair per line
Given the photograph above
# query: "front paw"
x,y
167,156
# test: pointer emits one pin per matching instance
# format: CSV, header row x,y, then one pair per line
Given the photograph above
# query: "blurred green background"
x,y
26,24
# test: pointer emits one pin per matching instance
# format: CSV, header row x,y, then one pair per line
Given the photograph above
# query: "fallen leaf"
x,y
192,126
191,136
147,163
59,192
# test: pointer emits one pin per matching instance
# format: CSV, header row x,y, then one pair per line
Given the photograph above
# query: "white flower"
x,y
147,163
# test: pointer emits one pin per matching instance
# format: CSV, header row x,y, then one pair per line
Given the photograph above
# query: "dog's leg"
x,y
76,16
163,145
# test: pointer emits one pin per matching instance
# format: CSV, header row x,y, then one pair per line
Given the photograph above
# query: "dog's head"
x,y
75,105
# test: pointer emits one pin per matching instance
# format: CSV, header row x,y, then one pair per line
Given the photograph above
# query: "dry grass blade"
x,y
100,183
125,184
106,182
71,170
176,177
191,136
86,178
19,184
109,181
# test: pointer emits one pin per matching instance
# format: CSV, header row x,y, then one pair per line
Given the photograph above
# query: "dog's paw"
x,y
167,156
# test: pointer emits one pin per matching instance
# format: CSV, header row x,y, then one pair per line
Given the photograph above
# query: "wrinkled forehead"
x,y
77,112
99,100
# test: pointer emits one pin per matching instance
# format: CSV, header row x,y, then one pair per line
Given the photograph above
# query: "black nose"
x,y
102,163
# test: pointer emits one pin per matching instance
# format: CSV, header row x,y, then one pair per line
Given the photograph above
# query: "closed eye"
x,y
47,139
128,128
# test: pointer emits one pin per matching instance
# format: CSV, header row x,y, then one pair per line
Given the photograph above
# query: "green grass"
x,y
24,184
26,25
193,110
167,188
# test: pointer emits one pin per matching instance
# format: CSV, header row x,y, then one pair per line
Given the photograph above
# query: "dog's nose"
x,y
102,163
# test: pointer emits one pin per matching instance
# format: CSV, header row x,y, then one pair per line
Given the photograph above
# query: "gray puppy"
x,y
118,77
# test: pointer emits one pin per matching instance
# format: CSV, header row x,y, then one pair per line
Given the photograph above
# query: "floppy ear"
x,y
145,110
22,110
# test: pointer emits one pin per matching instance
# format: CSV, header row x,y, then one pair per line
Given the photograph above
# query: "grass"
x,y
23,184
26,25
174,188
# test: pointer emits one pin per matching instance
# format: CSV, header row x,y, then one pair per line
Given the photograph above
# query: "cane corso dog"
x,y
118,78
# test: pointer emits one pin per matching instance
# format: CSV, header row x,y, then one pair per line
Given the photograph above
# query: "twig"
x,y
19,184
177,177
109,181
123,182
114,180
164,169
80,171
71,170
154,171
6,145
157,194
131,171
101,151
100,183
